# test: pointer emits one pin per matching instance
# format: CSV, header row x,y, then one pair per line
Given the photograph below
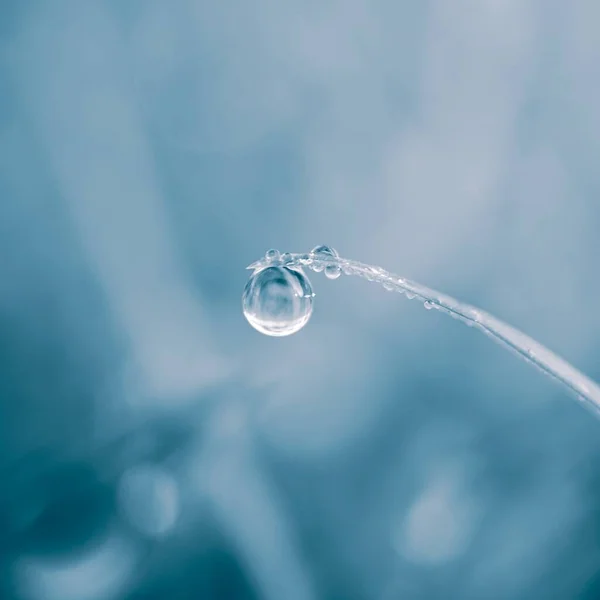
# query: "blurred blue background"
x,y
154,446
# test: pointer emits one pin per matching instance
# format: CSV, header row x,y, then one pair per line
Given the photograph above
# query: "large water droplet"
x,y
278,300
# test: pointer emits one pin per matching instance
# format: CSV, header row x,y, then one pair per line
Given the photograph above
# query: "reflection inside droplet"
x,y
278,300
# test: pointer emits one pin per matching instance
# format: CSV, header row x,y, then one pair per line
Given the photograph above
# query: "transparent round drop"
x,y
326,250
332,271
278,300
272,255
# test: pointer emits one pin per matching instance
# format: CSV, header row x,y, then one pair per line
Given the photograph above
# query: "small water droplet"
x,y
332,271
327,250
319,253
410,295
305,259
278,300
427,305
286,257
388,285
272,255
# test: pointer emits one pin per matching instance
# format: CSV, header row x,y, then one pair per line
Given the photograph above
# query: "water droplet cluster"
x,y
278,301
278,298
319,253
